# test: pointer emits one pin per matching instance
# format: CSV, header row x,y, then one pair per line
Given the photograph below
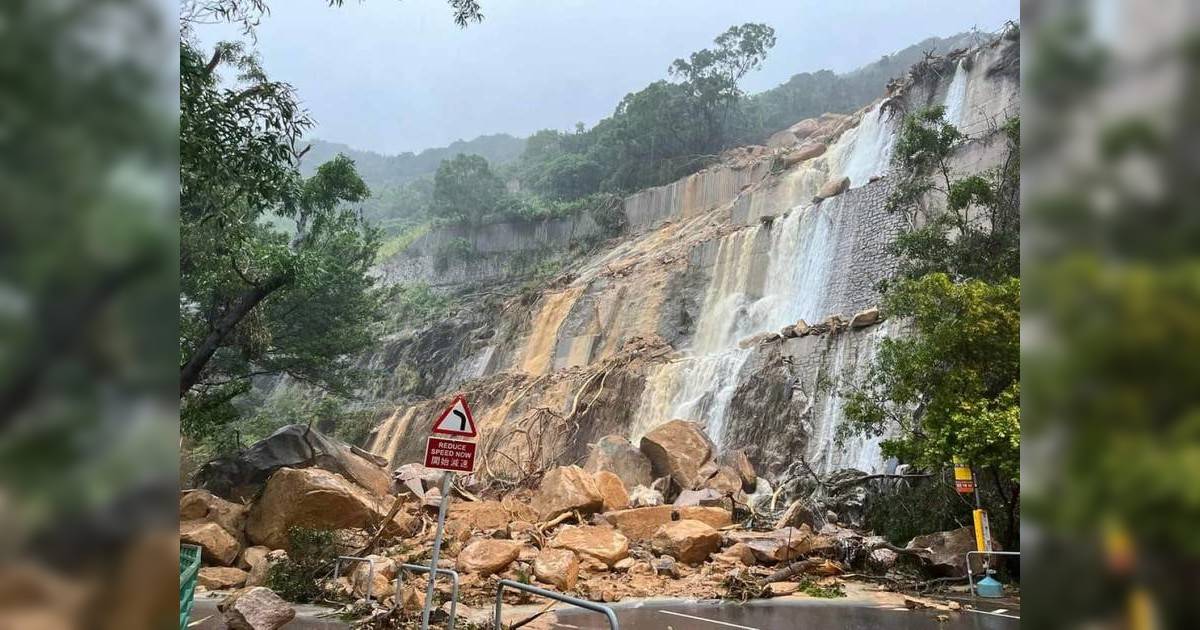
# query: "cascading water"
x,y
956,96
870,148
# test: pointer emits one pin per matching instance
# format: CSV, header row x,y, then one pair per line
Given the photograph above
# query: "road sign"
x,y
450,455
964,480
456,420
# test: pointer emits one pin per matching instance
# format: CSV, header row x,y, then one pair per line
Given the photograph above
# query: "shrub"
x,y
312,555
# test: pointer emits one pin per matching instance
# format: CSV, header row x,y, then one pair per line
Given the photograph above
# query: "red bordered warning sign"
x,y
446,454
456,420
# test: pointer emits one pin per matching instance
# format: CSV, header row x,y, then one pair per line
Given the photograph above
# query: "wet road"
x,y
781,615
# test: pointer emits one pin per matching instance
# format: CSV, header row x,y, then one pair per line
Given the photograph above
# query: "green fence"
x,y
189,568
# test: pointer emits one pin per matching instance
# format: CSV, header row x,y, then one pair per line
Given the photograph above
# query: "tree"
x,y
274,269
466,190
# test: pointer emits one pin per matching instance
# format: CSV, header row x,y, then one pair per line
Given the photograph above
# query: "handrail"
x,y
420,568
337,564
567,599
971,576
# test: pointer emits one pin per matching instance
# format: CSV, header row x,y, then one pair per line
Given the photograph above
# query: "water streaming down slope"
x,y
956,96
750,292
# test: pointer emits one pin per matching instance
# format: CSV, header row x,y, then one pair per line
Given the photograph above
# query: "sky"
x,y
399,75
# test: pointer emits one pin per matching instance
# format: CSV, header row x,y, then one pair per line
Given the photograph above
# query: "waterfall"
x,y
956,96
870,149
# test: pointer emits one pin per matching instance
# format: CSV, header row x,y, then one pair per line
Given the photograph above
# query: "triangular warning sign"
x,y
456,420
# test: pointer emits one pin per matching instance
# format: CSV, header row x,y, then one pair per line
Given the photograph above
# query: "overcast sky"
x,y
398,75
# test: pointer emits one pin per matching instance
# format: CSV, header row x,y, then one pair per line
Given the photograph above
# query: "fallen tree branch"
x,y
792,569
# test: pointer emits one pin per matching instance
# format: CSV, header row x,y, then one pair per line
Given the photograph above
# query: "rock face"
x,y
292,446
833,188
948,551
565,489
640,523
557,567
256,608
217,546
687,541
602,543
678,449
312,497
615,454
486,557
613,491
220,578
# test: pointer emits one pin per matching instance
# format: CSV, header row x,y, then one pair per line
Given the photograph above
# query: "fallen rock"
x,y
251,556
480,515
316,498
641,496
204,505
865,318
882,560
259,571
216,544
666,566
705,497
740,463
678,449
624,565
613,491
780,589
725,480
293,446
802,328
832,188
781,545
614,453
948,550
488,556
566,489
255,608
557,567
687,541
381,577
602,543
739,553
801,512
416,479
639,524
221,578
411,599
807,151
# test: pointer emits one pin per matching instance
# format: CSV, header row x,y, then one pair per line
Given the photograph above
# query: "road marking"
x,y
1000,610
731,625
997,613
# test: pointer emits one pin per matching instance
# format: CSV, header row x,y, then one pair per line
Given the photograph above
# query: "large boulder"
x,y
379,577
687,541
316,498
293,446
833,188
868,317
781,545
725,480
557,567
480,515
740,463
639,524
261,569
705,497
948,551
217,546
221,578
613,491
195,505
255,608
251,556
566,489
615,454
806,151
487,556
678,449
602,543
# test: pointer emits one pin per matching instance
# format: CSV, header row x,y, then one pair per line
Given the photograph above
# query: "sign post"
x,y
451,456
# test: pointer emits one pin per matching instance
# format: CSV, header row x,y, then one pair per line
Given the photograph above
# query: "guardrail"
x,y
418,568
566,599
337,564
971,576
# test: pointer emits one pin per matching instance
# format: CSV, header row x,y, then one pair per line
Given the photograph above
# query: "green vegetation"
x,y
417,303
950,388
310,557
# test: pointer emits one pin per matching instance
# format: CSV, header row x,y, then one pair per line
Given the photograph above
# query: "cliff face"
x,y
667,320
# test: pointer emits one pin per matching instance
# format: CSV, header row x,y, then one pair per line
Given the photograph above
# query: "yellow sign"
x,y
964,481
983,532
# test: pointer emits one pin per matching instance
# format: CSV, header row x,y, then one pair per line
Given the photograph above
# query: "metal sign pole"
x,y
447,477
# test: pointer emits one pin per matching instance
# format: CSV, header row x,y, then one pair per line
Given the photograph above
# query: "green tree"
x,y
466,190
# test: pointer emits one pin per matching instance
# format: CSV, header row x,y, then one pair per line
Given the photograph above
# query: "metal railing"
x,y
337,564
418,568
566,599
971,576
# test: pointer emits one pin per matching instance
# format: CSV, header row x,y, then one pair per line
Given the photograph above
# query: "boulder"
x,y
725,480
255,608
739,553
557,567
706,497
602,543
195,505
251,556
411,599
217,546
615,454
740,462
221,578
806,151
261,570
639,524
666,566
416,479
480,515
487,556
566,489
612,490
948,549
801,512
802,328
381,577
781,545
687,541
862,319
317,498
832,188
641,496
293,446
881,560
678,449
780,589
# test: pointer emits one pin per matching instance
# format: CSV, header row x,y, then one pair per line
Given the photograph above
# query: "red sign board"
x,y
453,455
456,420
